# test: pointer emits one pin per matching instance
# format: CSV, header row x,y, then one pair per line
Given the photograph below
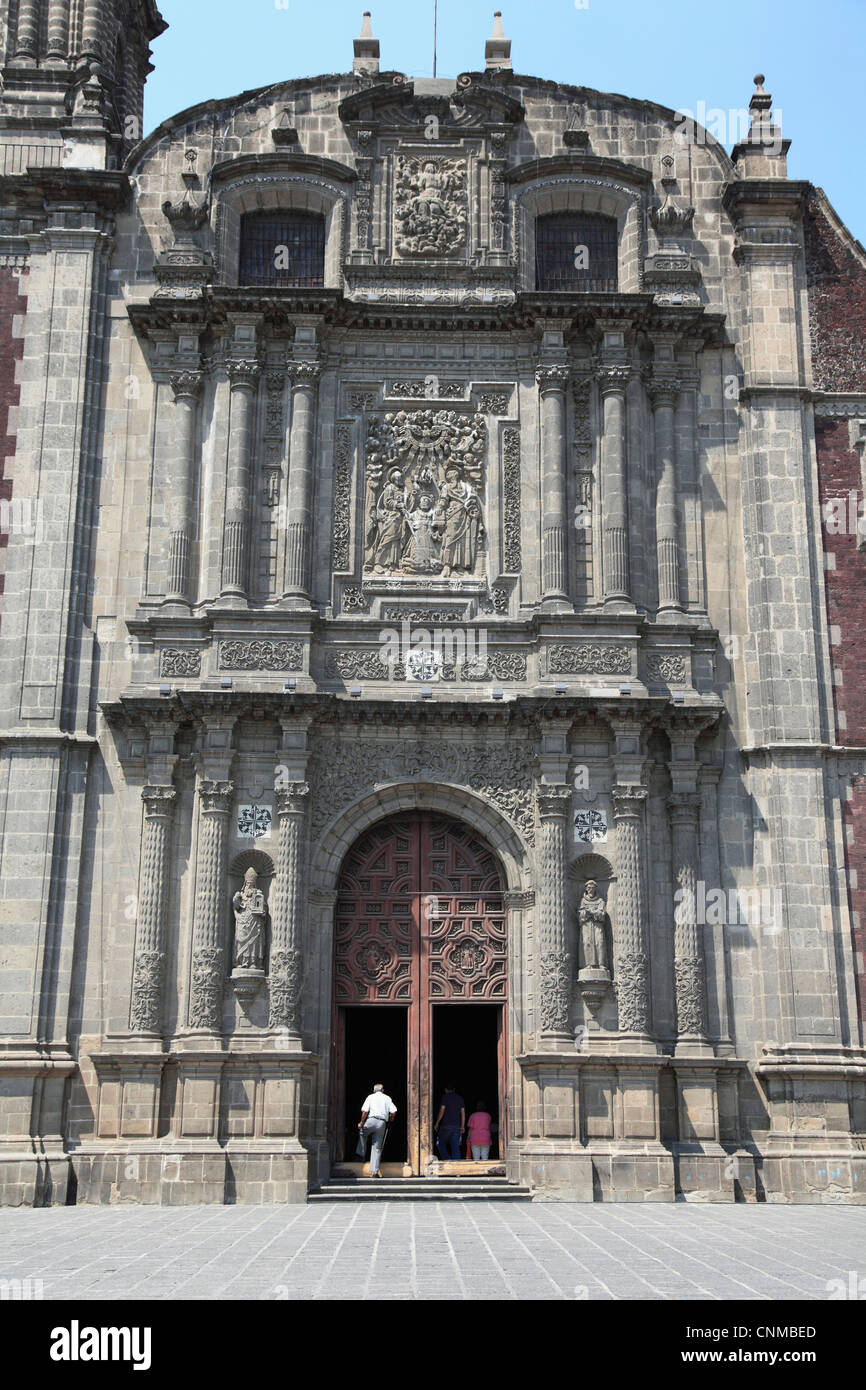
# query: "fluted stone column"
x,y
689,967
284,979
304,376
613,381
208,947
27,31
149,961
187,388
631,963
554,805
552,384
663,393
243,376
58,30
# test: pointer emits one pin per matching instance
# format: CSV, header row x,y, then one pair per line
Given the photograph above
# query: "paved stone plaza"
x,y
437,1250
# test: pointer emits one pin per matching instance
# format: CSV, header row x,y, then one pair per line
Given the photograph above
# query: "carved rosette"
x,y
555,991
146,1007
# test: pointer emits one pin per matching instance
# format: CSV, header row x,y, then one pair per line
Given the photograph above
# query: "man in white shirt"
x,y
376,1111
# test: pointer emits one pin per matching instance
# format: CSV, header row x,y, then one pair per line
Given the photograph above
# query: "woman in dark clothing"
x,y
451,1123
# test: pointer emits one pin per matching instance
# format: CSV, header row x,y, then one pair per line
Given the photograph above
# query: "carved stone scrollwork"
x,y
632,992
342,497
262,655
206,988
174,661
511,491
146,1011
284,986
666,668
564,658
631,967
691,996
555,991
208,966
285,974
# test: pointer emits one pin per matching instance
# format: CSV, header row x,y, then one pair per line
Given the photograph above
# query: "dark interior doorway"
x,y
466,1056
376,1050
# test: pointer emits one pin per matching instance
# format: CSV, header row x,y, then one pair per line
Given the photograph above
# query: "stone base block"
x,y
554,1175
34,1180
626,1176
704,1177
141,1177
253,1179
820,1179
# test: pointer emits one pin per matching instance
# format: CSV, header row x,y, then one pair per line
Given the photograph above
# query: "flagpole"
x,y
435,27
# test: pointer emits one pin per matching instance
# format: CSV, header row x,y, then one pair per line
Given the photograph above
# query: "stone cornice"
x,y
282,161
577,165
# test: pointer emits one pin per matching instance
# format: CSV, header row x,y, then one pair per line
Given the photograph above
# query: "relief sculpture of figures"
x,y
592,919
426,517
430,206
250,924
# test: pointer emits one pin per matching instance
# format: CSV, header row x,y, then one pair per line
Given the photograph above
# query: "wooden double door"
x,y
420,980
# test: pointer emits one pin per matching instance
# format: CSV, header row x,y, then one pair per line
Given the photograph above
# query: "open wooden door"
x,y
420,921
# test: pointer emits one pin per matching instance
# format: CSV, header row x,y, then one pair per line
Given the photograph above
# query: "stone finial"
x,y
366,49
762,154
497,50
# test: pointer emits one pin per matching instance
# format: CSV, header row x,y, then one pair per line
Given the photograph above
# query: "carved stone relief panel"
x,y
430,206
423,510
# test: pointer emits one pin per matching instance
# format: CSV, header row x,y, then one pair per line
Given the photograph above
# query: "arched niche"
x,y
582,193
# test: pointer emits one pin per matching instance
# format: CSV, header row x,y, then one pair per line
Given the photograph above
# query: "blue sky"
x,y
671,52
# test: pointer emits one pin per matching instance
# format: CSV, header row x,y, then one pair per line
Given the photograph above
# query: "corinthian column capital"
x,y
552,376
243,374
613,378
216,797
663,391
553,801
304,373
186,385
292,800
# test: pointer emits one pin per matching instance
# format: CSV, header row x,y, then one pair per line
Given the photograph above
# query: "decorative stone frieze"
x,y
179,662
666,667
342,498
260,655
511,495
587,658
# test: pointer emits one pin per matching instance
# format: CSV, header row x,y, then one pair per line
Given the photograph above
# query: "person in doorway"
x,y
451,1123
376,1112
479,1131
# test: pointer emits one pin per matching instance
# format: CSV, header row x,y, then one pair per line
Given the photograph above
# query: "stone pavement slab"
x,y
435,1251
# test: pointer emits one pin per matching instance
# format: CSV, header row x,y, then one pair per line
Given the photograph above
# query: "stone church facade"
x,y
424,638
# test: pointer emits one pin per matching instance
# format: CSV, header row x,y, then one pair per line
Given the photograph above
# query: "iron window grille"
x,y
282,249
577,252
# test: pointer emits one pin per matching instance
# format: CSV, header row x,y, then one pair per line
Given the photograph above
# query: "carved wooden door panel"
x,y
420,920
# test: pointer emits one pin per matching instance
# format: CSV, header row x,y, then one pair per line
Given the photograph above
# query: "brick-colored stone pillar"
x,y
243,376
186,387
305,376
149,961
631,964
613,381
663,394
208,948
554,805
552,384
58,30
284,975
689,967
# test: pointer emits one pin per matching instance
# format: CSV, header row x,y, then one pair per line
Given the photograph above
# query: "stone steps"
x,y
385,1189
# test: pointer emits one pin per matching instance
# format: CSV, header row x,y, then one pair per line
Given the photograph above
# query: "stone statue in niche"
x,y
592,919
427,518
430,206
250,924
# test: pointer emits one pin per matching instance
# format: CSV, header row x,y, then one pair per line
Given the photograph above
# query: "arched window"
x,y
282,249
576,251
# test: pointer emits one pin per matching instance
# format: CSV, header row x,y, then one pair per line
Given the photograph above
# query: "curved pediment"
x,y
400,106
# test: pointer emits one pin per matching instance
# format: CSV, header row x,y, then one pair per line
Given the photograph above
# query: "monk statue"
x,y
250,924
592,919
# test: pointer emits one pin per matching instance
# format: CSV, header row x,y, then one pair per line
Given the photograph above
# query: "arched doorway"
x,y
420,979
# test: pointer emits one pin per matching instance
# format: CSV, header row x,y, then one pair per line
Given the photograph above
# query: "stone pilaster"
x,y
208,945
689,966
553,381
284,978
243,376
631,963
663,392
554,804
304,376
149,961
186,386
613,381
